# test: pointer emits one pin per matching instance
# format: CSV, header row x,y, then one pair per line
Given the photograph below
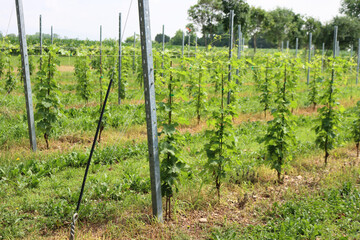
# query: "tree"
x,y
261,42
350,31
241,11
177,39
190,32
313,26
190,28
297,31
159,38
281,24
206,14
220,39
257,17
349,34
351,8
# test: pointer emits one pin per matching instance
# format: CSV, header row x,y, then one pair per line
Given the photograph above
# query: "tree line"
x,y
268,29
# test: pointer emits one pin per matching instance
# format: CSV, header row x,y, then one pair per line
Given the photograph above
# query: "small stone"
x,y
299,177
203,220
266,195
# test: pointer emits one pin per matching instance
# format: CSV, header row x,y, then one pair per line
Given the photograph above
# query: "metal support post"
x,y
26,75
309,60
163,50
134,45
101,74
120,62
282,46
150,106
239,41
322,57
358,63
182,45
196,45
296,47
163,38
52,36
239,50
351,55
231,28
287,45
189,45
336,42
241,44
334,55
40,39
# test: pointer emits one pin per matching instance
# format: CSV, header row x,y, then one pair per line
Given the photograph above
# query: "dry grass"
x,y
66,68
112,136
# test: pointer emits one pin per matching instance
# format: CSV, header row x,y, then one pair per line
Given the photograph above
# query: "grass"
x,y
40,204
39,191
309,202
328,212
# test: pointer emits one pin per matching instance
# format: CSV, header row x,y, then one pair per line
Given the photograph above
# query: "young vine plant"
x,y
264,84
10,79
197,86
221,137
279,137
355,128
171,164
313,97
329,116
83,75
47,94
97,64
2,63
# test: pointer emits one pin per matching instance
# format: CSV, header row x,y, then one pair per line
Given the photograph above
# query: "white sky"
x,y
82,18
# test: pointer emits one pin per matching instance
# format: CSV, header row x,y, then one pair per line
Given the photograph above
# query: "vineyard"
x,y
256,154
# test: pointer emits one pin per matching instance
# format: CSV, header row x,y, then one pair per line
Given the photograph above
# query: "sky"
x,y
82,18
